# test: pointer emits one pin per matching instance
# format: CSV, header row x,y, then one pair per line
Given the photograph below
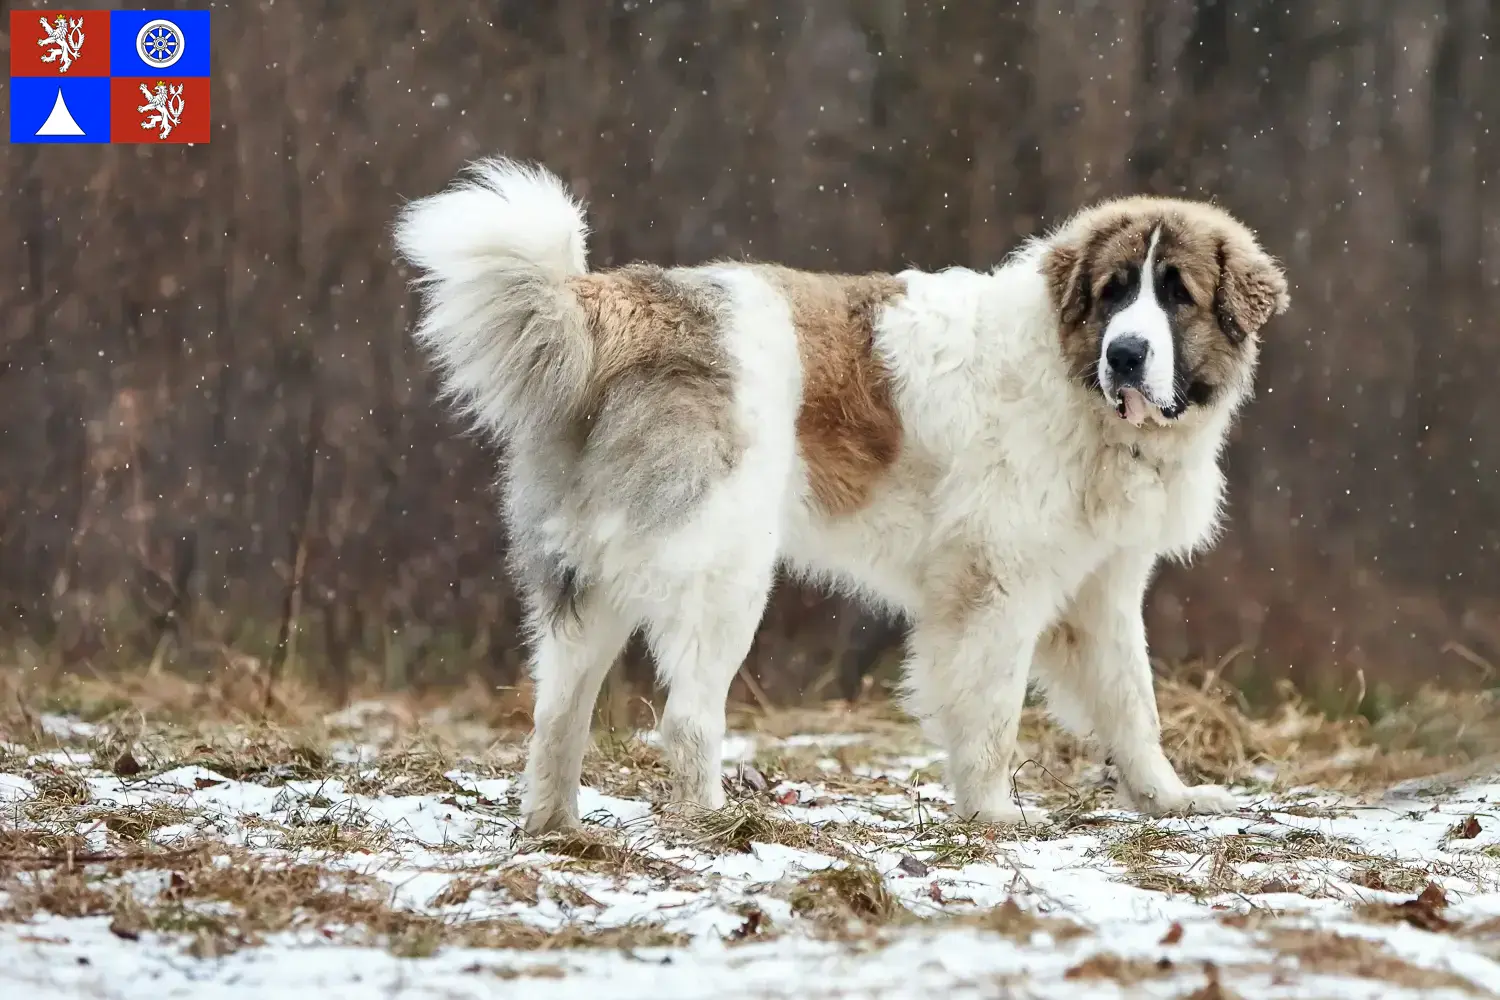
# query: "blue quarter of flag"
x,y
180,37
34,105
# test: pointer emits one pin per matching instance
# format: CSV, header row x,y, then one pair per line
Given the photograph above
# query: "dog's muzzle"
x,y
1124,381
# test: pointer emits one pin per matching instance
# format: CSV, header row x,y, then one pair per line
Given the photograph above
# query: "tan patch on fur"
x,y
847,429
639,317
656,427
1235,285
958,595
659,328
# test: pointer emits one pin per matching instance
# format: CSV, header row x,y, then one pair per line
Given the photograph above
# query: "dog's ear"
x,y
1065,268
1252,289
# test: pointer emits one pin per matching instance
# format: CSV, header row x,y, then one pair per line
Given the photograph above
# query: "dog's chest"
x,y
1125,492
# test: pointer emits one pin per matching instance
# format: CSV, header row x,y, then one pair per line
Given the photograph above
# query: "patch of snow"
x,y
425,841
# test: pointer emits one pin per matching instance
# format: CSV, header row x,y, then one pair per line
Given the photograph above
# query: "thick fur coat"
x,y
1002,456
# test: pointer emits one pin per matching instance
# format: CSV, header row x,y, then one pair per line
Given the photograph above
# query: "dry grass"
x,y
1331,954
602,851
1010,920
221,899
1145,852
1124,971
847,897
1299,861
217,897
877,716
741,823
835,770
956,843
520,883
625,766
1210,734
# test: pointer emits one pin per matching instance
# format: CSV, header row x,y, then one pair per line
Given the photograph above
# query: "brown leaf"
x,y
177,886
788,797
752,779
202,783
912,866
1423,912
1433,896
1126,971
124,931
1173,935
935,892
754,920
1271,885
1467,830
126,765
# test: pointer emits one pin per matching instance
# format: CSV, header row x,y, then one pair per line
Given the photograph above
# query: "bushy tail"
x,y
496,250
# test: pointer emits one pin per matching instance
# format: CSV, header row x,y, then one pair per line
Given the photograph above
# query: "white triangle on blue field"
x,y
60,121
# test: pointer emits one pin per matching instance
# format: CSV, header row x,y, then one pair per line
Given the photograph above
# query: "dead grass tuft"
x,y
1210,733
137,822
741,823
517,882
63,893
881,717
1330,954
1124,971
1144,852
1010,920
220,900
1200,866
625,766
853,892
1205,733
267,758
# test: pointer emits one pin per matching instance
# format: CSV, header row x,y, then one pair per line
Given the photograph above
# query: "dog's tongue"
x,y
1136,406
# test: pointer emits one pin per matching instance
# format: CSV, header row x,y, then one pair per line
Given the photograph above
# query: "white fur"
x,y
504,225
1006,464
1144,318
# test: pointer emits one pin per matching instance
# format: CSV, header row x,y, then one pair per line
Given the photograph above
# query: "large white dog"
x,y
1003,456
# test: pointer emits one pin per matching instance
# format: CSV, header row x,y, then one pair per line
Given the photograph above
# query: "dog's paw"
x,y
1209,800
1197,800
710,798
1003,813
543,818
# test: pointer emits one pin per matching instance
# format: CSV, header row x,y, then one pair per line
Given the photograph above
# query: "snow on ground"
x,y
366,869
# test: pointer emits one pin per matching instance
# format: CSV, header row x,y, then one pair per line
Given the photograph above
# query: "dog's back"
x,y
621,377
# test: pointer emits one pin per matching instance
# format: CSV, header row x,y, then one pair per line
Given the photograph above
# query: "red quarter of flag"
x,y
60,43
142,108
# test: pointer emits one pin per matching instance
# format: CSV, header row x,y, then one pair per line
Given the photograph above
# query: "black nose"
x,y
1126,357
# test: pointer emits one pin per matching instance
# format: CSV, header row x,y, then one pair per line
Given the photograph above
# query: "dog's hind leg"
x,y
574,650
699,639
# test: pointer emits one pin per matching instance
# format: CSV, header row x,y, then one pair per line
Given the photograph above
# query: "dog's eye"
x,y
1174,289
1114,290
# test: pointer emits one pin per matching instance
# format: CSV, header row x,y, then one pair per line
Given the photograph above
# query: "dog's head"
x,y
1160,303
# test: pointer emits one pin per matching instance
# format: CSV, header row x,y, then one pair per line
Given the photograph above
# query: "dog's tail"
x,y
496,250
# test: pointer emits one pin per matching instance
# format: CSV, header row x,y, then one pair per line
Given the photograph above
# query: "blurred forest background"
x,y
217,441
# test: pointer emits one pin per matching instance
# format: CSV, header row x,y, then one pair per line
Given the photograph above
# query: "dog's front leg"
x,y
1096,675
966,680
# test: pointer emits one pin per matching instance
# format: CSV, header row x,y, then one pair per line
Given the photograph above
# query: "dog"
x,y
1002,457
